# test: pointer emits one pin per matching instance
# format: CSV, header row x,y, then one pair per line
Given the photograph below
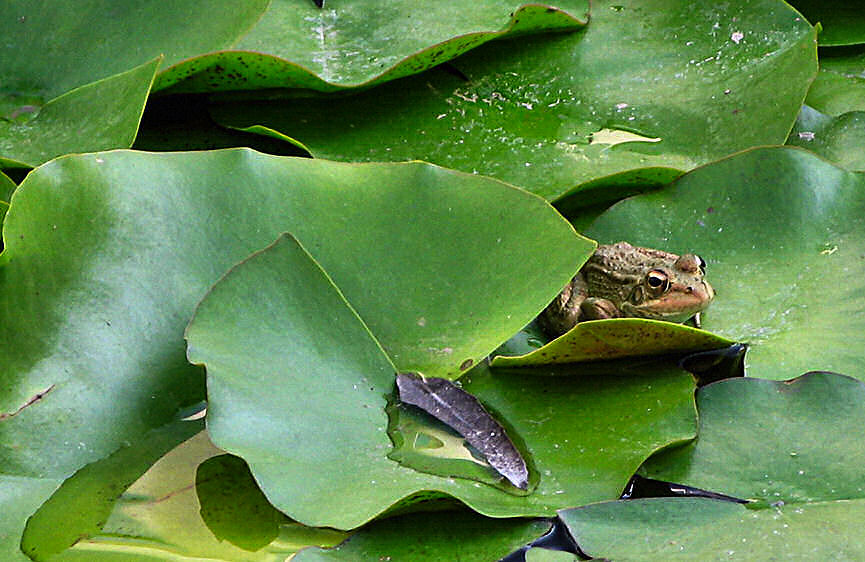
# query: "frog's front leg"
x,y
594,308
564,312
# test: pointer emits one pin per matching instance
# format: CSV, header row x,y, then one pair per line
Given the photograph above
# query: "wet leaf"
x,y
351,44
775,225
454,535
297,387
617,338
532,105
462,411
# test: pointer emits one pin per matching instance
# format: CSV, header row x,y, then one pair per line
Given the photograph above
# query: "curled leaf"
x,y
463,412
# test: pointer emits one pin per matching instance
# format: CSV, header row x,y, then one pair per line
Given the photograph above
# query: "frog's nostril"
x,y
689,290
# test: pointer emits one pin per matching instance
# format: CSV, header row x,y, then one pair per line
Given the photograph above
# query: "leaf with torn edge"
x,y
464,413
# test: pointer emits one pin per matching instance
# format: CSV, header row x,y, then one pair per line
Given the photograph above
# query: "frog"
x,y
624,281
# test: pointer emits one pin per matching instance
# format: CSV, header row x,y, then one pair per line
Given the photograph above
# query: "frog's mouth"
x,y
679,303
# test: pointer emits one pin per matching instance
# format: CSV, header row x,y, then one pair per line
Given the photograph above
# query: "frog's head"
x,y
674,292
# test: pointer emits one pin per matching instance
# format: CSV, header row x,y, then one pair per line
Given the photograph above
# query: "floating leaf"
x,y
617,338
795,441
531,106
462,411
359,44
83,306
775,226
56,101
840,83
97,116
297,387
794,447
454,535
79,508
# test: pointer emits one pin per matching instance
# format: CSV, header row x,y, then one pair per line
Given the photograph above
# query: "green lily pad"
x,y
838,139
795,448
79,508
782,234
617,338
55,101
703,529
361,43
843,23
454,535
98,116
107,255
797,441
20,496
544,112
298,386
160,516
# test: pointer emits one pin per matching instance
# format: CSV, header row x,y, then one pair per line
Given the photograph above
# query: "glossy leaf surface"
x,y
349,44
551,113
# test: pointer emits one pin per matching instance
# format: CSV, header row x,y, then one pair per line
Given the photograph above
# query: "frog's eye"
x,y
658,281
702,264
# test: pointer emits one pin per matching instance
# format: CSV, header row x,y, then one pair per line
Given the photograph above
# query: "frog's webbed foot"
x,y
599,309
563,313
696,319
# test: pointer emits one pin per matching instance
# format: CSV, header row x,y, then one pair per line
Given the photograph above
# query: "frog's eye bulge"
x,y
658,281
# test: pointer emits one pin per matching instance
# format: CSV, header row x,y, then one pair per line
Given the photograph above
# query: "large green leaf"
x,y
55,100
20,496
297,386
107,255
795,447
840,139
98,116
361,43
648,85
455,535
782,232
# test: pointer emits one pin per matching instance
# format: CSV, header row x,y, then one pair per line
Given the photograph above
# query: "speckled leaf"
x,y
838,139
617,338
456,535
795,448
782,233
346,44
55,100
320,451
705,79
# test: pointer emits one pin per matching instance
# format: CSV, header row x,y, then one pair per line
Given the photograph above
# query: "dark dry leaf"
x,y
462,411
